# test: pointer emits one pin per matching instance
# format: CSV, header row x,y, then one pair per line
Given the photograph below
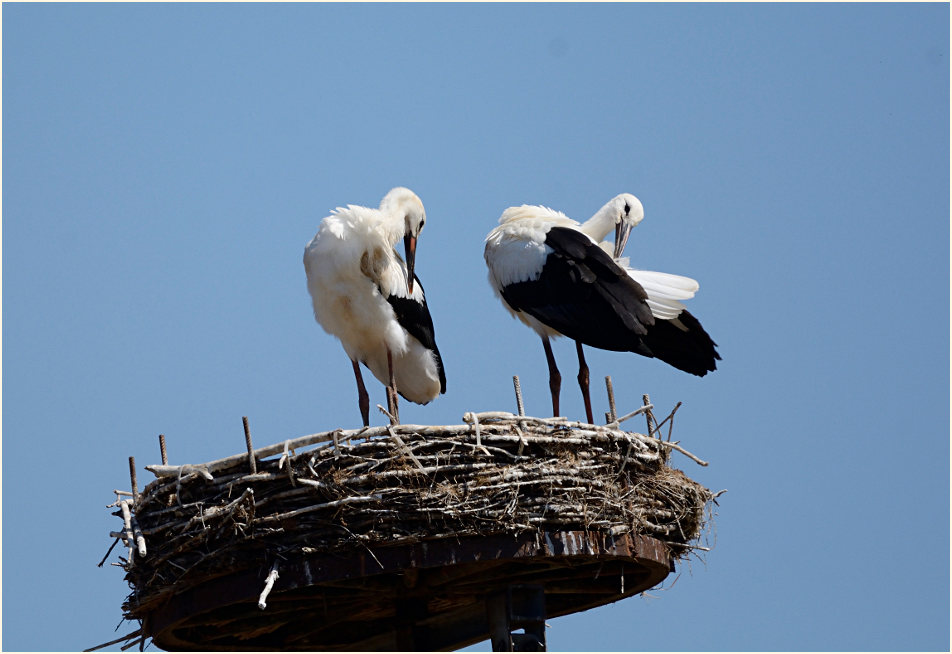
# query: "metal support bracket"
x,y
517,607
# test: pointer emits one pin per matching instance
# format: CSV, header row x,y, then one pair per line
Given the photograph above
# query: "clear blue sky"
x,y
164,166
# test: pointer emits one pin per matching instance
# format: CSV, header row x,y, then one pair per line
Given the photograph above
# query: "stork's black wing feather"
x,y
584,294
415,317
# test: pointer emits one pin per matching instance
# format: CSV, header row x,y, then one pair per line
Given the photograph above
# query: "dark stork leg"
x,y
555,379
392,391
583,382
363,400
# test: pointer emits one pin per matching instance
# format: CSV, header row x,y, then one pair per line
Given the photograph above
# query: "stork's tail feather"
x,y
684,344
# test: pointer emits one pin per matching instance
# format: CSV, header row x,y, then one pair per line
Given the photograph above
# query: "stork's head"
x,y
403,206
627,211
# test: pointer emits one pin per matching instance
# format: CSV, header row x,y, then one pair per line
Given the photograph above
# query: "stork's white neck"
x,y
601,224
392,226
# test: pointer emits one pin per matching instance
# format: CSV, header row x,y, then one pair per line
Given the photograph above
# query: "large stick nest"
x,y
341,490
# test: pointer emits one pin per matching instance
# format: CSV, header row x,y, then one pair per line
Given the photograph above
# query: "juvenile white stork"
x,y
370,299
557,277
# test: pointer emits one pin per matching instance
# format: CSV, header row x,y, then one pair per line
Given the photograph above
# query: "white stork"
x,y
557,277
370,299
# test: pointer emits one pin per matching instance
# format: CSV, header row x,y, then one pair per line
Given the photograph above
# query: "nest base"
x,y
425,595
400,537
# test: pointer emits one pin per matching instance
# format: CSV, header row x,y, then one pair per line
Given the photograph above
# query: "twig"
x,y
313,482
114,543
479,441
119,495
132,477
286,458
251,450
393,421
127,522
469,416
180,471
140,539
519,406
683,451
362,544
137,632
611,398
228,509
657,428
268,584
406,450
671,418
649,416
615,423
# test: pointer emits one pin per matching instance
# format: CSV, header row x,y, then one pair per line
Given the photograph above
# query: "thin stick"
x,y
683,451
649,417
406,450
181,471
127,523
140,539
132,476
389,415
519,405
611,398
251,451
165,455
625,417
287,459
479,440
268,585
223,511
114,543
137,632
671,418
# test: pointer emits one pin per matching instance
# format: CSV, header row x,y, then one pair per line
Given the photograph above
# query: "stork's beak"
x,y
622,232
409,249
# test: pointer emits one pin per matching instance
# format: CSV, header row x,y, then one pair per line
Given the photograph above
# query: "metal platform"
x,y
438,594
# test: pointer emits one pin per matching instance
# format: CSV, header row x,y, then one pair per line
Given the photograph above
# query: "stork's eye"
x,y
627,208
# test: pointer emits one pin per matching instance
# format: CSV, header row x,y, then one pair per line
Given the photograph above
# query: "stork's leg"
x,y
583,382
392,391
363,400
555,379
